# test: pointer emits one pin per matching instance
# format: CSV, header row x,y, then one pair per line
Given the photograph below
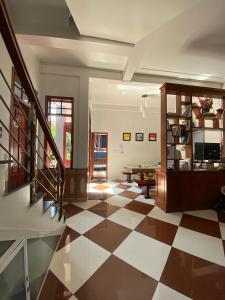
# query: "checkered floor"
x,y
119,246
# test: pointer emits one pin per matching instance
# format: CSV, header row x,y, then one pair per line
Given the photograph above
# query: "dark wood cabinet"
x,y
183,183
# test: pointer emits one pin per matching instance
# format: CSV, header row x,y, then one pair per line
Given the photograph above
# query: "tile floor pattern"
x,y
119,246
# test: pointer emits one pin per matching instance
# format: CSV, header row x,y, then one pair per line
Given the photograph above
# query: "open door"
x,y
98,156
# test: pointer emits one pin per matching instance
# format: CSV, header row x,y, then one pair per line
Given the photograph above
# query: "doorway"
x,y
99,155
59,113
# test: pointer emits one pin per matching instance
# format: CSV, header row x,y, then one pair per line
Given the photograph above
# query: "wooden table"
x,y
140,170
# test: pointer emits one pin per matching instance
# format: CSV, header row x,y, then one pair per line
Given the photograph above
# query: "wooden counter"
x,y
188,190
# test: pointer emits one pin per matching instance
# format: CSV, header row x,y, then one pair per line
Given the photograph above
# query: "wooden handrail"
x,y
18,61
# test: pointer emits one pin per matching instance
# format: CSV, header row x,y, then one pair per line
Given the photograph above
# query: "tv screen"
x,y
207,151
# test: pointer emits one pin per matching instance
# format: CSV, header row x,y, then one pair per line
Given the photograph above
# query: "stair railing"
x,y
44,168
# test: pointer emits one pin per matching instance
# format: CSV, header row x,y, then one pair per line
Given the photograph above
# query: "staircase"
x,y
31,181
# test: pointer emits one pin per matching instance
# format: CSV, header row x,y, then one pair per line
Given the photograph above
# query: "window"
x,y
18,88
17,175
60,119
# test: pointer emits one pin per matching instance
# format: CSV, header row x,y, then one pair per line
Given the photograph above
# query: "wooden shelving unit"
x,y
179,186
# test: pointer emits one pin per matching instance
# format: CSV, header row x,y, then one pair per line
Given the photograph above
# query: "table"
x,y
141,169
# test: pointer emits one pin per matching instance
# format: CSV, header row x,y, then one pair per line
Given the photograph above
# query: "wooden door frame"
x,y
64,141
91,153
71,100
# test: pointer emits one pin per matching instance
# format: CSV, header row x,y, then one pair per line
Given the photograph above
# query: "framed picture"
x,y
152,137
126,136
139,137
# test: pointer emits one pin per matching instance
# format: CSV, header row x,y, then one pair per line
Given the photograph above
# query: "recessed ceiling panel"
x,y
124,20
77,53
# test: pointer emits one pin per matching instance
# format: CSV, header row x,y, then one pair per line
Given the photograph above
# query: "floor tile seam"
x,y
124,261
163,221
204,234
206,260
72,293
202,218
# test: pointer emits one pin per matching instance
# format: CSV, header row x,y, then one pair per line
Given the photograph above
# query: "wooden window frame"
x,y
25,105
62,99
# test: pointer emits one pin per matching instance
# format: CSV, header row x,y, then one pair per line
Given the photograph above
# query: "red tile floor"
x,y
119,246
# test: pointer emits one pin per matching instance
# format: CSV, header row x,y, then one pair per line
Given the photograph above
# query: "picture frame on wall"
x,y
139,137
126,136
152,137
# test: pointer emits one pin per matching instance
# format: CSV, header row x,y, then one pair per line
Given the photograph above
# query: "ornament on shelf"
x,y
206,104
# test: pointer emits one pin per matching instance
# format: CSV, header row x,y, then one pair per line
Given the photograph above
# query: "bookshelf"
x,y
185,182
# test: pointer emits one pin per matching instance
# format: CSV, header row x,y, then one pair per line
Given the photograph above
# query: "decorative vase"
x,y
219,113
196,111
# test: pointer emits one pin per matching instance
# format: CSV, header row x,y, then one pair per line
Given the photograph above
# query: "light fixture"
x,y
144,104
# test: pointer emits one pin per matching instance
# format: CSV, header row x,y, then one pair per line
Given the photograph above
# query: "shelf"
x,y
206,161
178,117
207,128
185,103
176,159
174,144
185,130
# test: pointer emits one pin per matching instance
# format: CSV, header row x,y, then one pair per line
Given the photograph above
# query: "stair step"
x,y
38,196
7,161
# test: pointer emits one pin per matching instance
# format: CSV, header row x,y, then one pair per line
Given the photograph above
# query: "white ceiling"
x,y
113,92
77,53
126,20
177,38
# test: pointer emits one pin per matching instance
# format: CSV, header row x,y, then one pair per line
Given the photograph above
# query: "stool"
x,y
128,174
147,184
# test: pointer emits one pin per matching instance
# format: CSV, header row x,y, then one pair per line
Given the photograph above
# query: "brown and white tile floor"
x,y
119,246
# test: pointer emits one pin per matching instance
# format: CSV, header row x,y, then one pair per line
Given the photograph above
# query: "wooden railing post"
x,y
32,150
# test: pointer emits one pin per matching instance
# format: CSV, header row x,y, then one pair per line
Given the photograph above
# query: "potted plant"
x,y
206,105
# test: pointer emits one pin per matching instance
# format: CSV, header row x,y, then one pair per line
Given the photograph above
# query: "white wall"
x,y
121,153
67,86
70,82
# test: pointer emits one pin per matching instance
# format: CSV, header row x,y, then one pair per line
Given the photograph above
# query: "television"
x,y
207,151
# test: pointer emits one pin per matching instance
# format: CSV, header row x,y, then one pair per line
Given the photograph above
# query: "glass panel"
x,y
40,252
66,111
60,127
12,279
67,105
4,246
68,146
17,91
55,107
24,96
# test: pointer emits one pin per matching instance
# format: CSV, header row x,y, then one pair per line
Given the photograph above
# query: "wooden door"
x,y
17,175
